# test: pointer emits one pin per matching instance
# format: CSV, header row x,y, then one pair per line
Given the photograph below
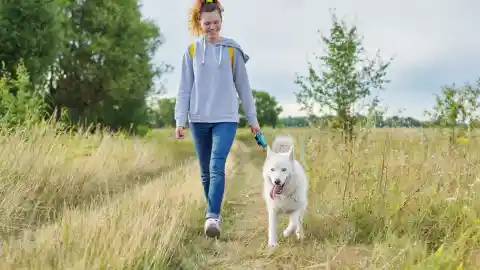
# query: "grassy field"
x,y
396,199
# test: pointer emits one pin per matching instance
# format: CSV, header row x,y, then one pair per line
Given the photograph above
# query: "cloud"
x,y
291,109
433,42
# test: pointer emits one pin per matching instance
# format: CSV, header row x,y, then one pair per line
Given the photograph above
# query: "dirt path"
x,y
244,228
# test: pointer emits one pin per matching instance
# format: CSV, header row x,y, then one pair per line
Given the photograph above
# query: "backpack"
x,y
230,51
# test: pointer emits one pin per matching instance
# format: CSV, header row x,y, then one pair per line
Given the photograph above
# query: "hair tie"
x,y
216,2
201,3
204,2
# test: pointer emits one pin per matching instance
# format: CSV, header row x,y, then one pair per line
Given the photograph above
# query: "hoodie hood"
x,y
209,89
224,42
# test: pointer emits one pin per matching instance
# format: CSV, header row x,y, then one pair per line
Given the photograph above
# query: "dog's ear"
x,y
290,154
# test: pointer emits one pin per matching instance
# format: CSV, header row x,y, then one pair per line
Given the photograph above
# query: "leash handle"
x,y
260,139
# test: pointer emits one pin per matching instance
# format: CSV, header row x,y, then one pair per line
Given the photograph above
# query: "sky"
x,y
434,43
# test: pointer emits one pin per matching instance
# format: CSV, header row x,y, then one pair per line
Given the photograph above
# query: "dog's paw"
x,y
287,232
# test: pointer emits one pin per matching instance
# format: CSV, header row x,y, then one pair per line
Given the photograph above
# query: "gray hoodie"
x,y
208,89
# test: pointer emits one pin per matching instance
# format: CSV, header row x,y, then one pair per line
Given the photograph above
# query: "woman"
x,y
213,72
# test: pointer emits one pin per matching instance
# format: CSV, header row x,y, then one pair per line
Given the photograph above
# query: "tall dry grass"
x,y
395,199
93,201
141,229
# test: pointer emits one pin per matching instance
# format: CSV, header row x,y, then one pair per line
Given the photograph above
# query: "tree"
x,y
165,113
295,121
92,60
400,121
30,32
268,109
456,105
345,76
105,72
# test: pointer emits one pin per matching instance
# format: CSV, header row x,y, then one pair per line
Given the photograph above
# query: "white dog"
x,y
285,188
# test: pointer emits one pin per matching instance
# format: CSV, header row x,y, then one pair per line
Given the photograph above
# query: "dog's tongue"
x,y
276,189
272,193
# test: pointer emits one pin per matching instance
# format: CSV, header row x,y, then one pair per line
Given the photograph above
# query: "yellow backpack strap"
x,y
191,48
230,51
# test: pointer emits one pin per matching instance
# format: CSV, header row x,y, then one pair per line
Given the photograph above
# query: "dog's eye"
x,y
272,169
284,169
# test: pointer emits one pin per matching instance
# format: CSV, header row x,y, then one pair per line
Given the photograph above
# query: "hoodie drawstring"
x,y
205,53
221,54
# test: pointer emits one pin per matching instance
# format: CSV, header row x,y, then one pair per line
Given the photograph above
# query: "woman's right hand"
x,y
180,133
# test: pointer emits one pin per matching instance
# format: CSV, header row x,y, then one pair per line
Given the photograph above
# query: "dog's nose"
x,y
277,181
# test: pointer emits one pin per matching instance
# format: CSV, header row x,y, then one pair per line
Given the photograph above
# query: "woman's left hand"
x,y
254,128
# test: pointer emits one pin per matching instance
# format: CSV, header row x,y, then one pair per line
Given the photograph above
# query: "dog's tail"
x,y
282,143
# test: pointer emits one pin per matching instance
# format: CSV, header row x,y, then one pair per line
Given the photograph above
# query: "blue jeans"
x,y
213,142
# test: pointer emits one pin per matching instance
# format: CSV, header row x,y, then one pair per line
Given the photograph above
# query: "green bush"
x,y
20,104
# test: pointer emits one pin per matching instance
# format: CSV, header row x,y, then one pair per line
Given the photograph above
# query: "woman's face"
x,y
211,23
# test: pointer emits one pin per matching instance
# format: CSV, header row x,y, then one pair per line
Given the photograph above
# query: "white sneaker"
x,y
212,227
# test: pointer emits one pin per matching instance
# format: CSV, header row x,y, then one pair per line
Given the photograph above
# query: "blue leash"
x,y
261,140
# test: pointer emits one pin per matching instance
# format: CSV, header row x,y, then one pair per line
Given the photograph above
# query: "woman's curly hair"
x,y
196,10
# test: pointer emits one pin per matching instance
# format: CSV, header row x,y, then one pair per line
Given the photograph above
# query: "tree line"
x,y
163,116
79,62
91,63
